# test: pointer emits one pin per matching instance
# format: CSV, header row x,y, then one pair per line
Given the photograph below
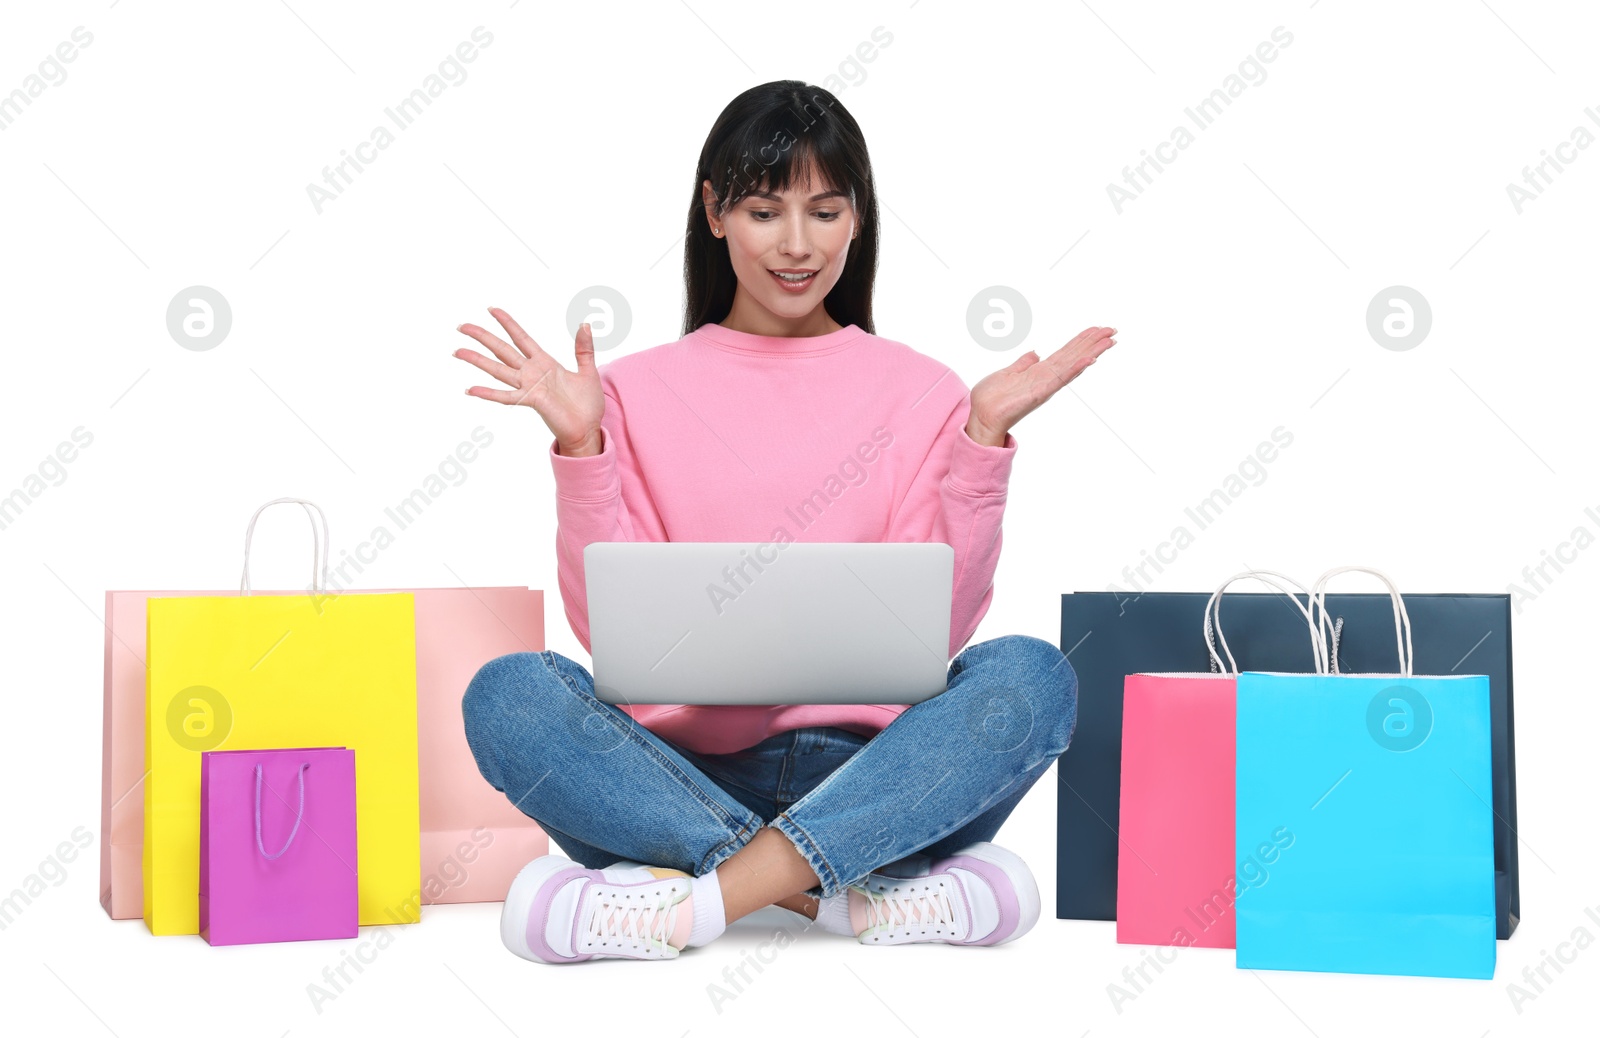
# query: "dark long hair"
x,y
762,141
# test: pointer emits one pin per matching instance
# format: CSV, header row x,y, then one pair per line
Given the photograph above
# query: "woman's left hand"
x,y
1000,400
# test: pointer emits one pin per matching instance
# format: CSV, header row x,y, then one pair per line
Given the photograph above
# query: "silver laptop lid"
x,y
702,622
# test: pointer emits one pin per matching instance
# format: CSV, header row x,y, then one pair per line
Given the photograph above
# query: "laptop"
x,y
714,622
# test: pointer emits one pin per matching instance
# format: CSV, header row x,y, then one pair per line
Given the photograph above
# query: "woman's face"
x,y
804,232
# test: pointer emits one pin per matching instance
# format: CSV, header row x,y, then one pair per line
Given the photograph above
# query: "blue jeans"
x,y
943,774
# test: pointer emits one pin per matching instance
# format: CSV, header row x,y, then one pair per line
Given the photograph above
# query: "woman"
x,y
874,821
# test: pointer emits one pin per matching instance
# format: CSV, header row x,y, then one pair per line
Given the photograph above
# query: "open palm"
x,y
570,402
1000,400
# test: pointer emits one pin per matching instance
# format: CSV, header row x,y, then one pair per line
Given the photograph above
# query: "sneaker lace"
x,y
642,924
922,905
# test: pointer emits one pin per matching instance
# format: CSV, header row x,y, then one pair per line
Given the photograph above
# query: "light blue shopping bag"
x,y
1363,824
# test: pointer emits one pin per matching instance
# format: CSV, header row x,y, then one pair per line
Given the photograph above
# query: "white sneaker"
x,y
557,911
981,895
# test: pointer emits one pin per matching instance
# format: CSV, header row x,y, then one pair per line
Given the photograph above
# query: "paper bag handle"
x,y
319,548
1319,648
1402,621
299,814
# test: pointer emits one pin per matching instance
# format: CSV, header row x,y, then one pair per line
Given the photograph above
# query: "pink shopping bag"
x,y
1176,880
278,845
473,839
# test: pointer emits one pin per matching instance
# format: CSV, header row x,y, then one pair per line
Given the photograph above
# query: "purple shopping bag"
x,y
277,845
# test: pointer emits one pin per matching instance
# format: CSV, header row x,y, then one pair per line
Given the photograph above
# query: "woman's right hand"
x,y
571,403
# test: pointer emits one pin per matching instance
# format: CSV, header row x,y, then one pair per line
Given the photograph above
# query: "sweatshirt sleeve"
x,y
959,497
598,498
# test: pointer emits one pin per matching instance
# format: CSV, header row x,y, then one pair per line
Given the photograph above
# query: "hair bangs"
x,y
783,148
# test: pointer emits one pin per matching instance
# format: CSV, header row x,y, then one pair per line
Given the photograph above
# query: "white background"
x,y
1376,152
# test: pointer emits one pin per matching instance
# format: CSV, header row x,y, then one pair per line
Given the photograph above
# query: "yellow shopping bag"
x,y
266,671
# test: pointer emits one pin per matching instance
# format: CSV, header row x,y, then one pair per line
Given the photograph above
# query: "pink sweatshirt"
x,y
729,436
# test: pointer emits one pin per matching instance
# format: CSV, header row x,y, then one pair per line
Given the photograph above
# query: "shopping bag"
x,y
1176,876
1466,634
1377,787
300,802
1110,634
263,671
473,840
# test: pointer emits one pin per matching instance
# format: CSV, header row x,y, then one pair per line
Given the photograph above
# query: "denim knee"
x,y
1058,693
1050,691
1068,705
499,701
528,702
480,704
489,689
